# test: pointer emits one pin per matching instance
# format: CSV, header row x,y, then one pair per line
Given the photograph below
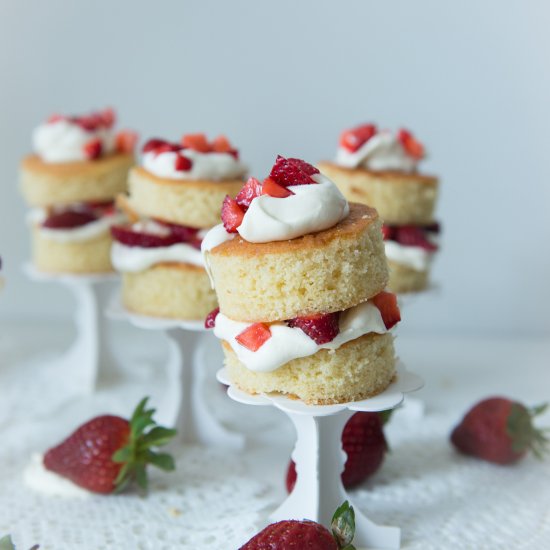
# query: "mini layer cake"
x,y
300,277
175,197
80,164
379,168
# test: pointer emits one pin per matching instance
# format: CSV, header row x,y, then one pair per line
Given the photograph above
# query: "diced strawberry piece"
x,y
287,172
108,117
413,147
182,163
126,141
153,144
250,190
55,118
127,236
353,139
197,142
254,336
386,302
87,123
234,153
388,232
210,321
321,328
412,235
273,189
167,148
221,145
69,219
232,214
184,233
93,149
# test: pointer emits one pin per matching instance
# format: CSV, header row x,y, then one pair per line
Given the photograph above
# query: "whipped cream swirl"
x,y
205,166
65,141
383,151
288,343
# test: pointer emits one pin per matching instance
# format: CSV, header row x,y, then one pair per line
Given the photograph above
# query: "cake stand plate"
x,y
320,459
90,357
189,342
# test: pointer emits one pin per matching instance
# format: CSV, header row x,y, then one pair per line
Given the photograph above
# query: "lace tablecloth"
x,y
218,499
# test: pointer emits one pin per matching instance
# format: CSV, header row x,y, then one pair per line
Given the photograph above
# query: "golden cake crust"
x,y
357,370
404,279
400,197
79,257
328,271
195,203
45,184
173,290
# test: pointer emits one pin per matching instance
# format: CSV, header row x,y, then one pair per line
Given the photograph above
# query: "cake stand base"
x,y
320,459
188,344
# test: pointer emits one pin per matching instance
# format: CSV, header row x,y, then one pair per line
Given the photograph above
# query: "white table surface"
x,y
217,499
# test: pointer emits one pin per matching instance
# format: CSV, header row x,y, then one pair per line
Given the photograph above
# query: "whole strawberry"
x,y
500,430
108,452
364,442
302,535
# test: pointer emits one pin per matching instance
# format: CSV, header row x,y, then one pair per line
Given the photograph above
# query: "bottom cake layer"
x,y
359,369
405,279
90,256
174,290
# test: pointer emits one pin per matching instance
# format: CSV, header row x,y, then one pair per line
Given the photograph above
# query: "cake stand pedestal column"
x,y
320,459
188,342
89,359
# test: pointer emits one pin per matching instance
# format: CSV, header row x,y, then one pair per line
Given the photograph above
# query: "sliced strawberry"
x,y
126,141
321,328
153,144
353,139
69,219
388,232
87,123
210,321
184,233
386,302
55,118
413,147
93,149
412,235
167,148
107,117
127,236
232,214
254,336
221,145
182,163
197,142
287,172
251,189
273,189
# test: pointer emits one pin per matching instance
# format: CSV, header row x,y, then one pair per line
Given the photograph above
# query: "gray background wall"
x,y
472,79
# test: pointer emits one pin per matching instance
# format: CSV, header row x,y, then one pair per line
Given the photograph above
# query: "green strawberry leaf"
x,y
6,543
343,526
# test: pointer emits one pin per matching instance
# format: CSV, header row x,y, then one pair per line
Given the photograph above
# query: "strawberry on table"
x,y
108,452
306,534
500,430
365,445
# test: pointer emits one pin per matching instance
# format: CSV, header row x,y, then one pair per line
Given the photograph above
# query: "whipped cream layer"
x,y
64,141
205,166
41,480
414,257
37,216
383,151
288,343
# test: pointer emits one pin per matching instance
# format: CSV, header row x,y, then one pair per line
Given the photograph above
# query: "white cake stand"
x,y
89,359
189,342
320,459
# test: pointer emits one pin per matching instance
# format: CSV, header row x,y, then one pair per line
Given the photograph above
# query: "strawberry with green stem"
x,y
108,452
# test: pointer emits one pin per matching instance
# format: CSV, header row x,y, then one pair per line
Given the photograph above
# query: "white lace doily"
x,y
217,499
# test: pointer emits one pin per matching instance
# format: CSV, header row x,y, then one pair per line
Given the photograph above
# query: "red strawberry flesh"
x,y
93,149
183,164
126,141
292,171
356,137
210,321
69,219
232,214
386,302
254,336
321,328
250,190
412,235
129,237
273,189
153,144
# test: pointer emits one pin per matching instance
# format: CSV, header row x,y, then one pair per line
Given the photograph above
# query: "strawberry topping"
x,y
254,336
126,141
321,328
232,214
210,321
273,189
93,149
250,190
197,142
412,147
386,302
356,137
183,164
153,144
291,171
